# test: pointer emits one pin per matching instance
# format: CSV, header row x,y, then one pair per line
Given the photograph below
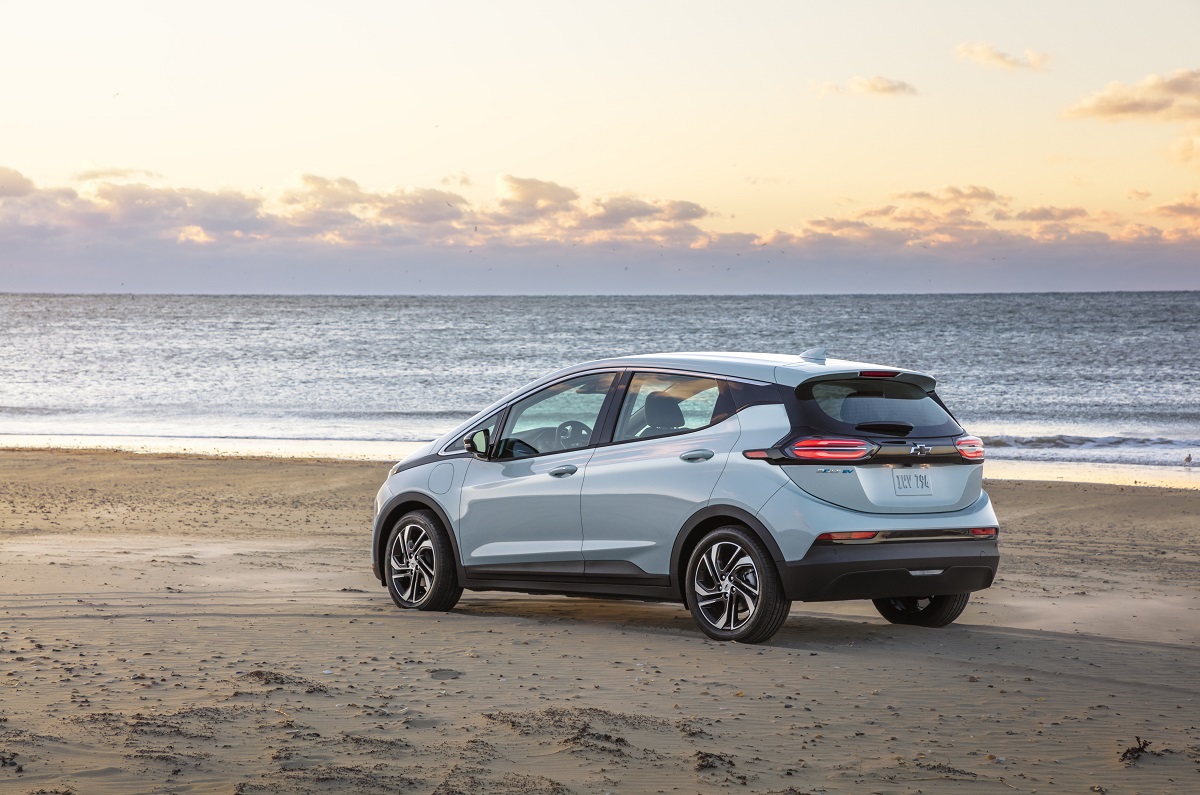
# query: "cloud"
x,y
1138,195
457,179
1174,97
14,183
115,173
1051,214
952,194
443,235
877,85
529,200
1187,149
422,206
880,85
1187,207
983,53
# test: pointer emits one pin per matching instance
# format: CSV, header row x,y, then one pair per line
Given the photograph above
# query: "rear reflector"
x,y
856,535
970,448
831,449
878,373
756,454
983,532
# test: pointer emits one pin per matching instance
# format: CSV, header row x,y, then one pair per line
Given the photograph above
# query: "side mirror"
x,y
477,444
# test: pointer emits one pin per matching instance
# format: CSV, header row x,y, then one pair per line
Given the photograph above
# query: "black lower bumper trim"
x,y
877,571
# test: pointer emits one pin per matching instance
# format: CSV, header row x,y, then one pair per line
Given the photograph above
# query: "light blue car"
x,y
735,483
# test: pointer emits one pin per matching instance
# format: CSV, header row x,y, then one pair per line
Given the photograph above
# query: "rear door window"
x,y
874,406
662,404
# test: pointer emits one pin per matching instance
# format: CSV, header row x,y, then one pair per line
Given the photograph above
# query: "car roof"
x,y
790,369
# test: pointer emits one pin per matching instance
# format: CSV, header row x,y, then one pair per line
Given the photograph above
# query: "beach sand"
x,y
188,624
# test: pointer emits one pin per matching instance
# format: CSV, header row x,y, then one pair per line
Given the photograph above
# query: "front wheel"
x,y
419,564
923,611
733,589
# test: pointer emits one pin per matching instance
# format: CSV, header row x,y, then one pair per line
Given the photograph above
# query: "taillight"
x,y
970,448
855,535
831,449
983,532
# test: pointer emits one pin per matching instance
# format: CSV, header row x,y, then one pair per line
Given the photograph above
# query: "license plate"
x,y
913,482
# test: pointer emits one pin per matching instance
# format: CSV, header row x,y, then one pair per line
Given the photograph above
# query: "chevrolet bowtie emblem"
x,y
920,449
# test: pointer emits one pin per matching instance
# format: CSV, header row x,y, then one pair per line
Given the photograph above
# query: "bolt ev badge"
x,y
920,449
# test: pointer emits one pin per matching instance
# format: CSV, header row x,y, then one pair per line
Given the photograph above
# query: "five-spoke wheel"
x,y
419,564
732,587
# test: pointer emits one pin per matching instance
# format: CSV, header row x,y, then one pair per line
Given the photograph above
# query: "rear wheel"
x,y
419,564
923,611
733,589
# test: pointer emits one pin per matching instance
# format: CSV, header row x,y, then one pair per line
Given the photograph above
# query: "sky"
x,y
619,147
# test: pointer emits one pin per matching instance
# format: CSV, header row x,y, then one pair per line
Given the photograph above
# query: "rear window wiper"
x,y
890,427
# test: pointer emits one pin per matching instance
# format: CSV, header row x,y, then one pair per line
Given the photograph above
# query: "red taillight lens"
x,y
983,532
970,448
758,454
831,449
856,535
878,374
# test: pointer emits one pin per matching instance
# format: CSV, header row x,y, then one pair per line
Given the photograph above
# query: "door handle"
x,y
697,455
563,471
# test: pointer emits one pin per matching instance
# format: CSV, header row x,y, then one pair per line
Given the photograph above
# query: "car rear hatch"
x,y
879,441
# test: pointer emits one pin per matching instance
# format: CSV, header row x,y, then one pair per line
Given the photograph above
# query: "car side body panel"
x,y
518,512
637,494
746,484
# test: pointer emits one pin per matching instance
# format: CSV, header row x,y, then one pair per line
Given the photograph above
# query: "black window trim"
x,y
606,425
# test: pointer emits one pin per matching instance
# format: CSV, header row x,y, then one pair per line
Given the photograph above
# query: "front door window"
x,y
560,417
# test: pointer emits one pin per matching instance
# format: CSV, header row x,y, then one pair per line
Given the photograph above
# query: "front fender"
x,y
391,511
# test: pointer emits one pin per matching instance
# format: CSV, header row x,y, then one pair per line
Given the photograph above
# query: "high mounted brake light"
x,y
970,448
878,374
831,449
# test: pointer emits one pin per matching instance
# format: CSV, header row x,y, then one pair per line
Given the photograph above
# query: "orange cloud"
x,y
1187,207
1173,97
1051,213
877,85
532,214
987,55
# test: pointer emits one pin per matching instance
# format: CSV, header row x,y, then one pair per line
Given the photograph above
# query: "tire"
x,y
419,566
927,611
730,568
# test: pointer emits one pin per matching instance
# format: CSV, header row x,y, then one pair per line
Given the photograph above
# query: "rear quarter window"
x,y
873,405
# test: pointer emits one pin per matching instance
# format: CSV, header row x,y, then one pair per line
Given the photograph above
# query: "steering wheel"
x,y
572,434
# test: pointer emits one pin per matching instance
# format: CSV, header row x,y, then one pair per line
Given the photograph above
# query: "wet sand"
x,y
176,624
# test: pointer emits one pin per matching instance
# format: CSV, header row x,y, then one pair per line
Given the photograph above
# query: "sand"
x,y
176,624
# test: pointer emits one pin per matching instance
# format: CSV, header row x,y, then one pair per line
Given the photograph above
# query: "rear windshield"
x,y
874,406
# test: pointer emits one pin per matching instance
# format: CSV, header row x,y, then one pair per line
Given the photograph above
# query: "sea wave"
x,y
1069,441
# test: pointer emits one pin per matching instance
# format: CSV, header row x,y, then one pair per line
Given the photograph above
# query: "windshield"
x,y
874,406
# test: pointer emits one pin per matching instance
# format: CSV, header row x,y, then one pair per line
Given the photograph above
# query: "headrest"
x,y
662,411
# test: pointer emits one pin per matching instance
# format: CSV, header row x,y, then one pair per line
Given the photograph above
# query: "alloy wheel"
x,y
412,563
726,584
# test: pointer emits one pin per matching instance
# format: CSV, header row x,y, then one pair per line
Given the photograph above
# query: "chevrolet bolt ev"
x,y
735,483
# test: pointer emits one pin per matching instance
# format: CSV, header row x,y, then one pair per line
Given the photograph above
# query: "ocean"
x,y
1084,377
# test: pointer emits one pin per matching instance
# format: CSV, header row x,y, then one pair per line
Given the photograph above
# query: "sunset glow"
x,y
1017,147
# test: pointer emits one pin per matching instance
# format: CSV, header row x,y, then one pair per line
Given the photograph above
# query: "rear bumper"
x,y
877,571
